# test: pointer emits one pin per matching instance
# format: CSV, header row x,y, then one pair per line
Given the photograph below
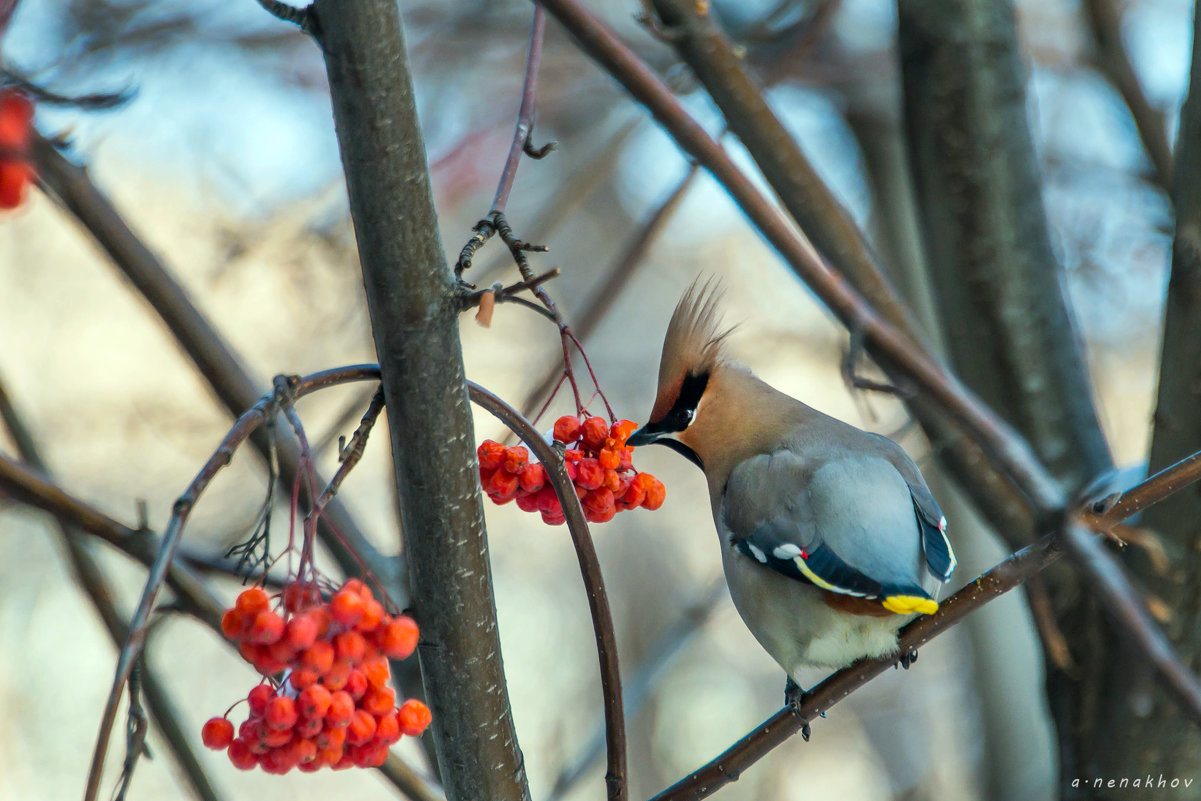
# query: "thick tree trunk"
x,y
999,288
1168,744
414,317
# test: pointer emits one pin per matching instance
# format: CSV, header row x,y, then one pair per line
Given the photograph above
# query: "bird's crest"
x,y
694,342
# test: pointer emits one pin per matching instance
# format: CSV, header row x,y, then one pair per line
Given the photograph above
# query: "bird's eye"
x,y
684,416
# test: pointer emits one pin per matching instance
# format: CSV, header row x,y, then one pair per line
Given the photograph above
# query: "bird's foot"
x,y
907,658
794,697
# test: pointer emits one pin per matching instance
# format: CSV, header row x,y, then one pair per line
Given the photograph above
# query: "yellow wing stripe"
x,y
908,604
816,579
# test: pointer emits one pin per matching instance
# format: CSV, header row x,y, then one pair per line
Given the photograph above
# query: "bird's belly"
x,y
795,626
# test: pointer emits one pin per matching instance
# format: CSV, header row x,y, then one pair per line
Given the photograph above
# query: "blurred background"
x,y
225,162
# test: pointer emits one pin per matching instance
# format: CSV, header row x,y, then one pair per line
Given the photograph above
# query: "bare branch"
x,y
525,115
1105,21
594,583
216,361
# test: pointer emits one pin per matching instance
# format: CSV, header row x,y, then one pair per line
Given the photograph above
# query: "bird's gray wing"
x,y
940,557
846,525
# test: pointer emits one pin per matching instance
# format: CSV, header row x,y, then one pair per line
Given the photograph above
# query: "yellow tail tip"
x,y
908,604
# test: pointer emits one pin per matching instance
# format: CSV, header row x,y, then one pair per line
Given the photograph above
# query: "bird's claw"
x,y
794,697
907,658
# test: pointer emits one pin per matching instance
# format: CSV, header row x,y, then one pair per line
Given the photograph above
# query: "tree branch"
x,y
1003,448
1105,21
594,583
525,114
220,367
413,303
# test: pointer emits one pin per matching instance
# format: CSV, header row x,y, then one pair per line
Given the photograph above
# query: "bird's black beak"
x,y
644,436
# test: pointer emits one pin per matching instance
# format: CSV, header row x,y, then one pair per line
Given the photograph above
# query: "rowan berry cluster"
x,y
326,702
16,130
598,461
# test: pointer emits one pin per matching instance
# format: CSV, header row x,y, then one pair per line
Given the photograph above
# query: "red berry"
x,y
554,518
516,458
594,431
567,429
655,494
362,727
532,477
490,454
373,613
281,713
331,737
252,601
376,672
398,637
356,684
335,678
281,651
600,515
414,716
309,727
318,657
609,458
301,678
387,729
301,632
232,623
241,756
502,485
258,698
350,647
590,474
314,701
346,607
612,481
378,700
274,738
341,710
621,430
267,628
527,502
217,733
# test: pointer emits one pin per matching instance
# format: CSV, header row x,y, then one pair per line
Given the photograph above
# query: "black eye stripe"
x,y
684,409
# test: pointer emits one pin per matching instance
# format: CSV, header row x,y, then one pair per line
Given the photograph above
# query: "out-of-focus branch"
x,y
1105,21
24,485
221,368
1004,449
594,583
413,303
1156,722
90,576
809,201
636,688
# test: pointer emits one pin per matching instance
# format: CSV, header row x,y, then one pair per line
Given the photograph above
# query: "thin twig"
x,y
352,453
525,115
594,583
42,95
241,430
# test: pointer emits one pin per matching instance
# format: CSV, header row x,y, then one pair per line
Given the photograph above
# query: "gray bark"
x,y
1168,744
414,316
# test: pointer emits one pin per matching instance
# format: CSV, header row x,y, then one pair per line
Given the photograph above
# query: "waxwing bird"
x,y
830,538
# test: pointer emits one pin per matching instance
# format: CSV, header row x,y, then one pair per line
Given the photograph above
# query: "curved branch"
x,y
242,429
594,582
